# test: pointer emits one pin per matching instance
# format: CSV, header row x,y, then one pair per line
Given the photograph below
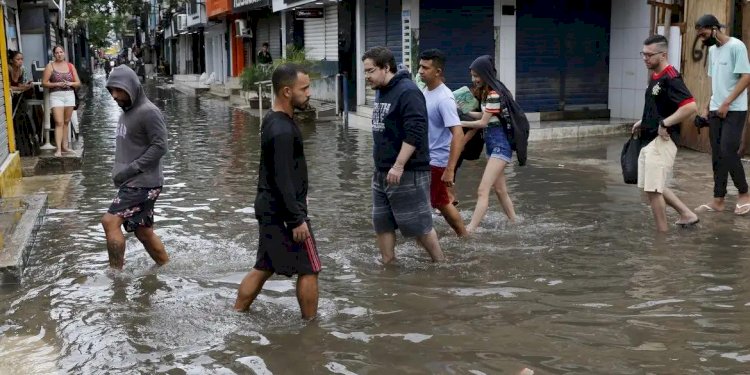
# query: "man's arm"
x,y
457,146
415,126
704,111
738,89
449,115
681,114
283,177
156,131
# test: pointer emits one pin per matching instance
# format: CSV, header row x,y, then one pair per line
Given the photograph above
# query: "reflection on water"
x,y
580,285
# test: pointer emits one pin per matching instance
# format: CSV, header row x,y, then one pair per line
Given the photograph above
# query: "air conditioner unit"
x,y
242,30
182,22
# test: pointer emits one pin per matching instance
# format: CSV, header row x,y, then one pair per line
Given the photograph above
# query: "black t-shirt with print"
x,y
666,93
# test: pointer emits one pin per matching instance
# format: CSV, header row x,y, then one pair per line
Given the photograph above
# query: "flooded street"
x,y
581,285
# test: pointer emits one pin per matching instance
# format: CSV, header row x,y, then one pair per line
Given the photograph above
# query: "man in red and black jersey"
x,y
668,103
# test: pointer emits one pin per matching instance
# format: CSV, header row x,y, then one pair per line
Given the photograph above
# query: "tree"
x,y
105,16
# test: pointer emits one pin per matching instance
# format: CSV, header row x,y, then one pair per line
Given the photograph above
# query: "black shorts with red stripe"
x,y
278,253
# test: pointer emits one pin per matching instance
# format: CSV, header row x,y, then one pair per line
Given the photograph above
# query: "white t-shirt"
x,y
726,64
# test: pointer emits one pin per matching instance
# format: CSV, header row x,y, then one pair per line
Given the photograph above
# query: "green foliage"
x,y
297,55
254,74
260,72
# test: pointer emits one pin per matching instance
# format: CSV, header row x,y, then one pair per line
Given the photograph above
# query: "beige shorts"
x,y
655,164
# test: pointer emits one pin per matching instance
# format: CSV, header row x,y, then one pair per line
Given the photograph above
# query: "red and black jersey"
x,y
666,93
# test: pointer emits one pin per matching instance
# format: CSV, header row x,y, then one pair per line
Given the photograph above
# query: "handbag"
x,y
629,159
75,91
473,148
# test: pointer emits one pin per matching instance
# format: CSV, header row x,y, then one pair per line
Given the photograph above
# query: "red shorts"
x,y
439,196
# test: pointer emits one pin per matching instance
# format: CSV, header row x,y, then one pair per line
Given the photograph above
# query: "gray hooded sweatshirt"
x,y
141,135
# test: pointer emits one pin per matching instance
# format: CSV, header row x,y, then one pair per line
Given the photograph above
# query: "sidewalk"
x,y
24,201
540,130
189,84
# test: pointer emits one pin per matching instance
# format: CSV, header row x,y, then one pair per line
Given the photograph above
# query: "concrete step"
x,y
191,88
21,218
46,163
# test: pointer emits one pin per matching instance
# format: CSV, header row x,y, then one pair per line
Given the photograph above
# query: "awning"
x,y
51,4
246,5
279,5
218,7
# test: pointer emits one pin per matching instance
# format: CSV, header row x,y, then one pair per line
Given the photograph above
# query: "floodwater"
x,y
581,285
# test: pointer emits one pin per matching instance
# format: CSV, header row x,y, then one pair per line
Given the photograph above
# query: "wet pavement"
x,y
581,284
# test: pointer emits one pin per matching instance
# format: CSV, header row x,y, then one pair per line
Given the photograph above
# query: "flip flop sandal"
x,y
705,208
689,224
742,209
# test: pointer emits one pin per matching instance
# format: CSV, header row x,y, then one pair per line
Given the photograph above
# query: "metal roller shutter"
x,y
332,33
274,36
383,28
315,38
562,54
52,35
463,32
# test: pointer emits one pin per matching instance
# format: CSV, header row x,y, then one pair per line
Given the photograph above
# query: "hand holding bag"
x,y
629,159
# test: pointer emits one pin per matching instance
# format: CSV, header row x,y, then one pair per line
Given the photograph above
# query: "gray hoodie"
x,y
141,135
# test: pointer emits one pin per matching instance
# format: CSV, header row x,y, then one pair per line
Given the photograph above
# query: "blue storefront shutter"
x,y
463,32
562,54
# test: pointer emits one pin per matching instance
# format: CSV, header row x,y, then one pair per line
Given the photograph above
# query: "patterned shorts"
x,y
136,206
405,206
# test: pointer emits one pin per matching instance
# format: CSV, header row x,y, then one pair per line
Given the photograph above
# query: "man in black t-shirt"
x,y
286,244
264,57
668,103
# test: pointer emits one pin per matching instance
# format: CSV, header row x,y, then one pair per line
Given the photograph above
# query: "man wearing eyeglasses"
x,y
401,153
668,103
729,71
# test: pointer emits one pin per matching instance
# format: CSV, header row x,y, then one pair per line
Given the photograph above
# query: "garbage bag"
x,y
629,160
465,100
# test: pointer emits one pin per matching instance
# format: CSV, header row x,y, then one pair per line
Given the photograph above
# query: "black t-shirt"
x,y
282,178
264,58
666,93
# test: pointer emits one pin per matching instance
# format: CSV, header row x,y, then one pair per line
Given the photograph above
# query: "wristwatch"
x,y
661,124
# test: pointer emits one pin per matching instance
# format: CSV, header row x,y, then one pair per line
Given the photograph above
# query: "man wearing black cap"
x,y
729,70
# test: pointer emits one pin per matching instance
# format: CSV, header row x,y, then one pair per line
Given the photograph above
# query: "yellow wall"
x,y
6,83
10,173
10,169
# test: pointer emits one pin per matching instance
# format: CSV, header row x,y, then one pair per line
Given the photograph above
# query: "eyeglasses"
x,y
650,55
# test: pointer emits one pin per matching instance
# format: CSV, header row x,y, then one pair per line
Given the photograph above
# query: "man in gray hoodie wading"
x,y
137,172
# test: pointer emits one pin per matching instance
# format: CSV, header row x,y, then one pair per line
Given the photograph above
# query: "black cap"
x,y
708,20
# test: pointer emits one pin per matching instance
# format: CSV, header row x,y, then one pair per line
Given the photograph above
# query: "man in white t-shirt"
x,y
729,71
445,136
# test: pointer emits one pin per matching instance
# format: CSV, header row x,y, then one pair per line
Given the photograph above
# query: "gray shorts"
x,y
405,206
